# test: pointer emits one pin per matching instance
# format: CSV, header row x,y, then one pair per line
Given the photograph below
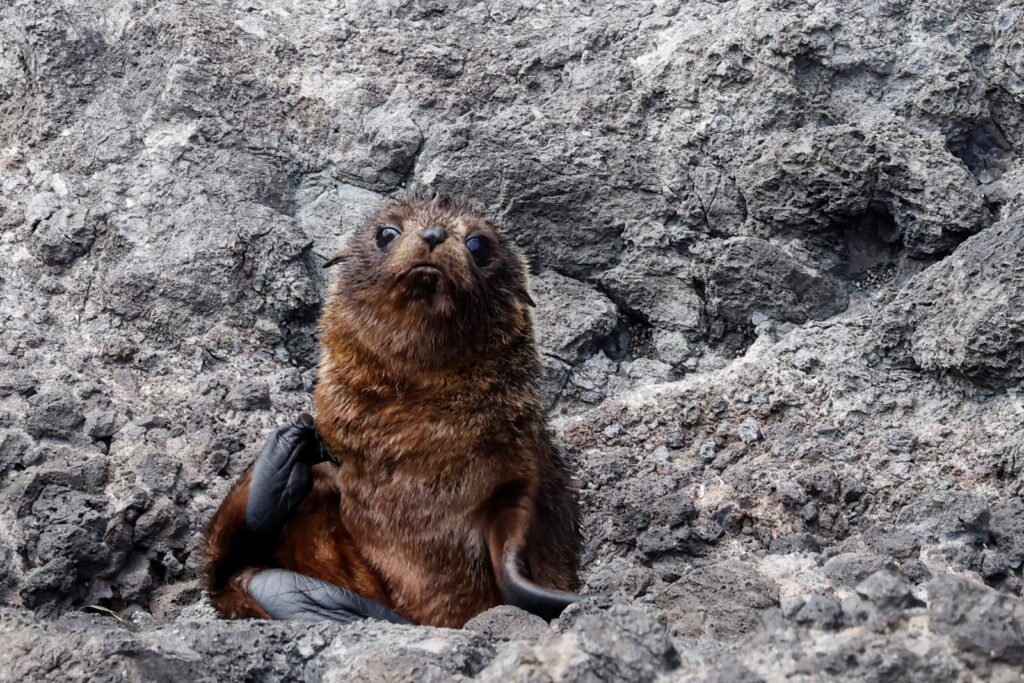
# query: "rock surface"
x,y
777,252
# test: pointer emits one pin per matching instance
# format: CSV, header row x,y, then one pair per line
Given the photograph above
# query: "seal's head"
x,y
430,273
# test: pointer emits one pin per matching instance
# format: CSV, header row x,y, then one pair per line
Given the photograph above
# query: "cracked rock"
x,y
776,249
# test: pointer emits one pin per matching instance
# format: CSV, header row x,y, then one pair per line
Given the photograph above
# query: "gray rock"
x,y
249,396
660,540
100,424
509,623
658,290
620,643
13,445
53,412
60,233
978,330
697,606
820,611
90,647
777,254
888,591
849,569
946,515
753,275
1007,529
795,543
985,624
673,348
572,318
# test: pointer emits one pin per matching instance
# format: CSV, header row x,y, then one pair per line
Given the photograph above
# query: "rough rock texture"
x,y
777,251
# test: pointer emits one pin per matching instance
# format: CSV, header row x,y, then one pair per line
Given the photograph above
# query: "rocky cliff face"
x,y
778,252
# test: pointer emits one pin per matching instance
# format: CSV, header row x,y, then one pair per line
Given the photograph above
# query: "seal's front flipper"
x,y
285,594
507,538
282,476
244,532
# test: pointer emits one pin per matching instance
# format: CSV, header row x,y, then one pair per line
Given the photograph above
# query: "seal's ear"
x,y
337,258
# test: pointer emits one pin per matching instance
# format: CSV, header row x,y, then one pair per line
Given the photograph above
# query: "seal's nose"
x,y
433,236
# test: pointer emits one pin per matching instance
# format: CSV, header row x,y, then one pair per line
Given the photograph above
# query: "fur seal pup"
x,y
444,494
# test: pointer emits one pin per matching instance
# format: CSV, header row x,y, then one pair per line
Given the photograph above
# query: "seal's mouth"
x,y
427,269
423,281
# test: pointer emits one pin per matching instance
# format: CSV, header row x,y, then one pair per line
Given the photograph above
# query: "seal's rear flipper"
x,y
285,594
507,538
520,592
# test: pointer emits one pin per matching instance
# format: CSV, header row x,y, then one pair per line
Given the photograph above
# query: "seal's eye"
x,y
386,234
480,248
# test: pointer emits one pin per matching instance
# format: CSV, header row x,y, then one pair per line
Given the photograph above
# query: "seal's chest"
x,y
410,503
424,539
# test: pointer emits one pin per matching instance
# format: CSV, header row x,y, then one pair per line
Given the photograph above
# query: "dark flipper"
x,y
519,591
241,538
282,476
508,535
285,594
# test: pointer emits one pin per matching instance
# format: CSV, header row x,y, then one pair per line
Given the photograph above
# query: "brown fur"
x,y
428,398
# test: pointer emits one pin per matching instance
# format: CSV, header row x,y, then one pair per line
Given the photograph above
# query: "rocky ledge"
x,y
778,254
